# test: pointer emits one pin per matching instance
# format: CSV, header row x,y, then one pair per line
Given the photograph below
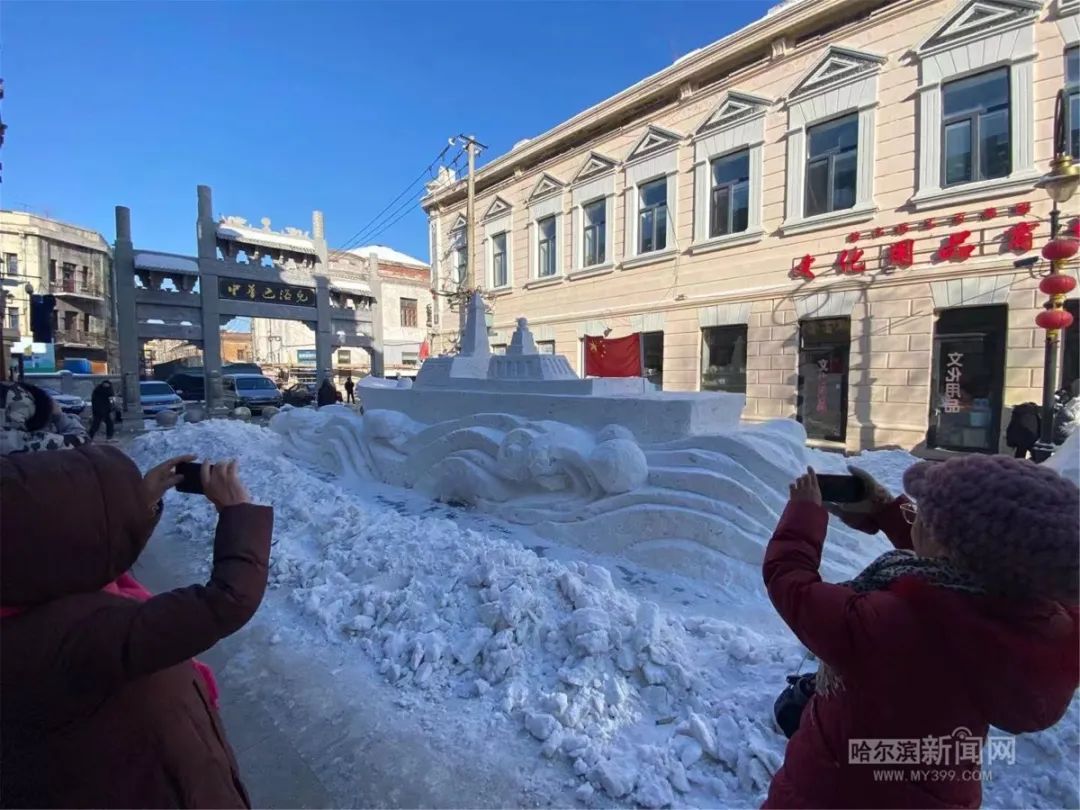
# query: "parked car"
x,y
69,403
191,387
156,396
253,391
300,395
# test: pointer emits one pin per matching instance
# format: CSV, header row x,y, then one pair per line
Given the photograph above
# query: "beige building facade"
x,y
46,257
404,292
824,211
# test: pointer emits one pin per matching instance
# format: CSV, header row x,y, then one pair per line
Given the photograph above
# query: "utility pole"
x,y
469,282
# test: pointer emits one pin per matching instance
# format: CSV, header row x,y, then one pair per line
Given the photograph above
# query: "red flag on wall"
x,y
615,357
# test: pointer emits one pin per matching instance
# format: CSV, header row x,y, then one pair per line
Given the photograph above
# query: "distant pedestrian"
x,y
101,409
328,395
350,386
1025,427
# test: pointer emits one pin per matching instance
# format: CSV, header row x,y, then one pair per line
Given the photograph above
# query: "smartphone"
x,y
841,488
192,472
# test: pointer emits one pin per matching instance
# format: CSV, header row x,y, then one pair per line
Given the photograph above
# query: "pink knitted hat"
x,y
1013,524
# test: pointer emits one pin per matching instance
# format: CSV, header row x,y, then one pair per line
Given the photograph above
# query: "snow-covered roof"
x,y
145,260
360,287
389,255
272,239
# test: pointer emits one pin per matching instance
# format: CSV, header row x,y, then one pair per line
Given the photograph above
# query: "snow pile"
x,y
701,504
641,704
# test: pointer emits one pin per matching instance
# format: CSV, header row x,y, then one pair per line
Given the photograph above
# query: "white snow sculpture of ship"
x,y
613,465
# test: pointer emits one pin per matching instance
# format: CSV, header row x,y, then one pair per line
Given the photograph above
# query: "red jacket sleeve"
x,y
127,639
833,621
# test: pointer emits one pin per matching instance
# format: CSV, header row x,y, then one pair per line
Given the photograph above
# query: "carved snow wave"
x,y
694,504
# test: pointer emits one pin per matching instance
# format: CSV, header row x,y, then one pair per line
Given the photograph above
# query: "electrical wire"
x,y
360,235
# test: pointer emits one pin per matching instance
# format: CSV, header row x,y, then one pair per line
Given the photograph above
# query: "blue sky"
x,y
287,107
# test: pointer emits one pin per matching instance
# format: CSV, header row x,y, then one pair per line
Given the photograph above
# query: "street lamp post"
x,y
1060,184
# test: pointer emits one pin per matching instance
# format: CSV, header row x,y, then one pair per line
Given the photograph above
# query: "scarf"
x,y
883,572
130,588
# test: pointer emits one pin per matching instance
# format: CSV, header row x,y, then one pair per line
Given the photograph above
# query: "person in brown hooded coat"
x,y
101,703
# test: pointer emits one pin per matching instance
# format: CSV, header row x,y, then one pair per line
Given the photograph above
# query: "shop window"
x,y
967,377
652,357
1070,357
344,357
410,359
723,358
498,348
824,346
545,346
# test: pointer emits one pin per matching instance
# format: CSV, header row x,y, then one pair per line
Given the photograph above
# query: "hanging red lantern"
x,y
1053,319
1058,249
1057,284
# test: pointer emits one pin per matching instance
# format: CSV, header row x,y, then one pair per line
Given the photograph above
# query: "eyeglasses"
x,y
910,512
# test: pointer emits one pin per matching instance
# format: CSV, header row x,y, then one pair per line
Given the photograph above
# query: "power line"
x,y
382,223
355,238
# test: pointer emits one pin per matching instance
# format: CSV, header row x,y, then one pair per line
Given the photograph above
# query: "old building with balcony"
x,y
71,263
824,211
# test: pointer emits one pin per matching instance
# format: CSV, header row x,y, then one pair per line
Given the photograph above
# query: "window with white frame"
x,y
729,199
498,245
545,346
832,159
832,117
594,232
1072,99
976,109
651,182
727,172
975,128
545,228
546,247
592,199
459,256
652,216
499,277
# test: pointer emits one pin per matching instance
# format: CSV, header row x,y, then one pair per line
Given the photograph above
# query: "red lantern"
x,y
1057,249
1053,319
1057,284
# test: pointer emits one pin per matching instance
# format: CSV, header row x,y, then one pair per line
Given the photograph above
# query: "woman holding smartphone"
x,y
970,622
101,701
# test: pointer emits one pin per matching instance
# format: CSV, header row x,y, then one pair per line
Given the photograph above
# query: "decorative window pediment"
x,y
654,140
977,19
734,108
497,208
546,186
594,166
459,223
838,65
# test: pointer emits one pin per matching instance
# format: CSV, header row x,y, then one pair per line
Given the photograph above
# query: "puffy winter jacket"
x,y
100,705
916,661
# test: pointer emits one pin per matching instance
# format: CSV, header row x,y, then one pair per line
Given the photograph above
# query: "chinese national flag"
x,y
617,357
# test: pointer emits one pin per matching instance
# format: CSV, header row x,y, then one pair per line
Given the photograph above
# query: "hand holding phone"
x,y
162,478
190,473
842,488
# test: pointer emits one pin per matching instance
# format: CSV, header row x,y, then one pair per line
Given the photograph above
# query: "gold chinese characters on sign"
x,y
266,292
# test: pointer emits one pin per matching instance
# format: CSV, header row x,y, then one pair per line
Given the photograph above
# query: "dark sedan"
x,y
300,395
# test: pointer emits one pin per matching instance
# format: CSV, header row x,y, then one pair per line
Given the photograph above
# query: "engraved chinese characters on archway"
x,y
954,369
265,292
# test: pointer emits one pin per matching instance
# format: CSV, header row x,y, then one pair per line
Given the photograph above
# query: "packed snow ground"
x,y
641,687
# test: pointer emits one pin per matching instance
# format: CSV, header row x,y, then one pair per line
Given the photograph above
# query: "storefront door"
x,y
652,357
967,379
824,346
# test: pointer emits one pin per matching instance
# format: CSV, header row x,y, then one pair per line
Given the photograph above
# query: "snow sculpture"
x,y
669,479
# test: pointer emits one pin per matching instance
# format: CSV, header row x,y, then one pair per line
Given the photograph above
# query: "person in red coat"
x,y
971,622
